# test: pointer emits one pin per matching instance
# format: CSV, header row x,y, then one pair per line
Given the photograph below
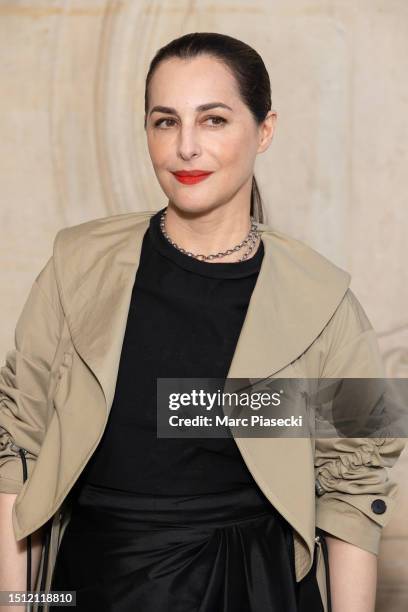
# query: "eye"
x,y
217,117
160,121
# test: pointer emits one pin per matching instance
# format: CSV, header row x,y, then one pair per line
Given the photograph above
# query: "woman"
x,y
201,288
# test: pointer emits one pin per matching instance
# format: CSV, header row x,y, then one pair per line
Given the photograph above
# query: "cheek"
x,y
235,161
233,150
159,150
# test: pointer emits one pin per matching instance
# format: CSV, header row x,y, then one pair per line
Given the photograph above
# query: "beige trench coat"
x,y
58,384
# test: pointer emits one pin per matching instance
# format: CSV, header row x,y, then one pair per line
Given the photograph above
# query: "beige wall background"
x,y
73,148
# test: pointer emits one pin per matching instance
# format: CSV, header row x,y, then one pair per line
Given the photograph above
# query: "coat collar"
x,y
296,293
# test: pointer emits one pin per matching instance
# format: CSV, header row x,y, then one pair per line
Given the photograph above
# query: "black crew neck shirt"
x,y
184,320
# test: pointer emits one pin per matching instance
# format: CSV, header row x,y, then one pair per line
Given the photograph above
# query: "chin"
x,y
190,208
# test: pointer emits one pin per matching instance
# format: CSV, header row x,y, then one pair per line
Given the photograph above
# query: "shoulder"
x,y
316,290
295,253
348,324
304,276
97,235
96,230
90,248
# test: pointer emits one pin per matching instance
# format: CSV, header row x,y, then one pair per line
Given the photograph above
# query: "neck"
x,y
210,232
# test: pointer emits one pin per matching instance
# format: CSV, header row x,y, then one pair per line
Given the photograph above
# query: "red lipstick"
x,y
190,177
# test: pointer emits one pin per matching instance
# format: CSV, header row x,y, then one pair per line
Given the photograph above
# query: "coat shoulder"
x,y
300,254
308,275
78,249
96,229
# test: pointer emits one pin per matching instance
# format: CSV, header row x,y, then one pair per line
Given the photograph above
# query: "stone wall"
x,y
73,146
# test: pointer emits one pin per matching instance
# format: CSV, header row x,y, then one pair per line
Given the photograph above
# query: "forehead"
x,y
181,83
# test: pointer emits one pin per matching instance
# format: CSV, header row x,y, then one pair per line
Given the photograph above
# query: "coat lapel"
x,y
97,308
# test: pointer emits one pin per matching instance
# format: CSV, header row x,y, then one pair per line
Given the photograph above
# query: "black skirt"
x,y
229,552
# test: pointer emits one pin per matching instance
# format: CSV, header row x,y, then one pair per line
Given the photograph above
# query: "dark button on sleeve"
x,y
378,506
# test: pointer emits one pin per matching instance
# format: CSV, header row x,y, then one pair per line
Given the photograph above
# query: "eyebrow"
x,y
200,108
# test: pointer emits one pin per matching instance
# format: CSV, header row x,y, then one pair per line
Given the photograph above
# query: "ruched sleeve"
x,y
24,380
355,494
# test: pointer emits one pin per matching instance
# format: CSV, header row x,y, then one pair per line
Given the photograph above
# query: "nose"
x,y
188,143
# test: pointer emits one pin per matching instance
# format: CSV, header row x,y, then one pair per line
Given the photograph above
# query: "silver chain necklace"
x,y
250,240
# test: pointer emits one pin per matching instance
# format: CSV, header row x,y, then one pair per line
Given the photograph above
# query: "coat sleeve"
x,y
24,379
355,494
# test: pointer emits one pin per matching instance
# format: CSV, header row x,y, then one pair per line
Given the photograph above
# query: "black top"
x,y
184,320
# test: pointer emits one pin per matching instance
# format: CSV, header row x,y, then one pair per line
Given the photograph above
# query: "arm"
x,y
353,577
355,496
24,415
13,573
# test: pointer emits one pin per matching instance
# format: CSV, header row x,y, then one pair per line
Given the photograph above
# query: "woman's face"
x,y
223,140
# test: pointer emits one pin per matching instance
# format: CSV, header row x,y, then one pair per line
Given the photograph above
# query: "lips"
x,y
192,177
191,172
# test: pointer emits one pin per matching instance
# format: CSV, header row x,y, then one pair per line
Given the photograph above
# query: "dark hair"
x,y
245,64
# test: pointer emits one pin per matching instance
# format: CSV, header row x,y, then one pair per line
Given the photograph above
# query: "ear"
x,y
267,130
